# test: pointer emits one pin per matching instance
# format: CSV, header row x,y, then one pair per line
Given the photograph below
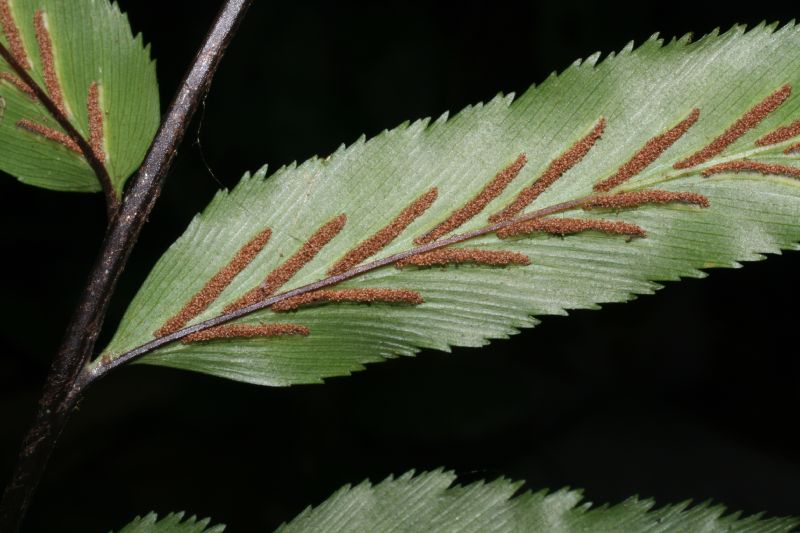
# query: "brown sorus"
x,y
49,133
745,123
95,114
378,241
490,191
403,296
651,151
447,256
747,165
784,133
792,149
11,32
278,277
627,200
553,172
18,83
245,331
570,226
48,62
218,283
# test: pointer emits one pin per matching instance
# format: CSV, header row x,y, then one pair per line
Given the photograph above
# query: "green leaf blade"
x,y
92,43
172,523
431,501
640,93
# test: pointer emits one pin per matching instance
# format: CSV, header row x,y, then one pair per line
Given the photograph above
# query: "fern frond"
x,y
592,187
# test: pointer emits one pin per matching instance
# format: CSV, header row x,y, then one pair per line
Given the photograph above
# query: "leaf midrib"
x,y
658,174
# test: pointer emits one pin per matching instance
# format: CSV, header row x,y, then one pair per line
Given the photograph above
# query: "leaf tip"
x,y
442,118
627,49
261,173
686,38
591,61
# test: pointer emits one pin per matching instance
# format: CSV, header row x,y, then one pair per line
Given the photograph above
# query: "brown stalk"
x,y
67,378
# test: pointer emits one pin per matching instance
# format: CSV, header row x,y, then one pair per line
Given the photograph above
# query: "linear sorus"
x,y
745,123
570,226
18,83
627,200
291,266
11,32
554,170
747,165
375,243
245,331
651,151
449,256
784,133
218,283
795,148
48,61
402,296
51,134
95,114
490,191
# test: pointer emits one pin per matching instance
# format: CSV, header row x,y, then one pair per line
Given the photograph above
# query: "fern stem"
x,y
64,387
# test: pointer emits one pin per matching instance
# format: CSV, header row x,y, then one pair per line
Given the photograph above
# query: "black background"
x,y
691,393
